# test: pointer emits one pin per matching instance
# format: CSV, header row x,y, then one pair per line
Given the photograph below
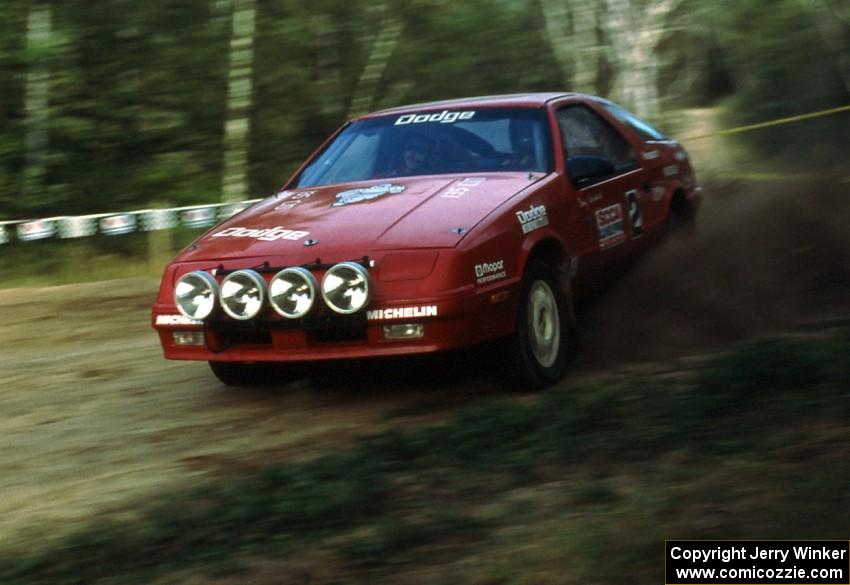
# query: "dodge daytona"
x,y
427,228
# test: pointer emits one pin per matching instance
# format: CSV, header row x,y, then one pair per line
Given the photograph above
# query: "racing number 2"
x,y
635,219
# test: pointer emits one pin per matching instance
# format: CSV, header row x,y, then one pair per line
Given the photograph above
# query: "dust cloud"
x,y
766,257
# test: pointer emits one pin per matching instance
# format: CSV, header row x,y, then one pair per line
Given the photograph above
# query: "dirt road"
x,y
94,421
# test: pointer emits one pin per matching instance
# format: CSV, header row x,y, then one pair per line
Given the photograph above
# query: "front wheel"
x,y
242,374
538,351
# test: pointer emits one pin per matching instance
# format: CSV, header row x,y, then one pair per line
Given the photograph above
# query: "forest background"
x,y
120,105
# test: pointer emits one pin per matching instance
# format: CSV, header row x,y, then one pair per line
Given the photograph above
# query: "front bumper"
x,y
448,323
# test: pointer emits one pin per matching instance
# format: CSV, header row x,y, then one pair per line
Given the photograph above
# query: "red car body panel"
x,y
448,251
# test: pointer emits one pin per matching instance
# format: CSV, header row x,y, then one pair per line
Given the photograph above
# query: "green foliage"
x,y
137,94
54,262
394,540
811,372
137,91
786,68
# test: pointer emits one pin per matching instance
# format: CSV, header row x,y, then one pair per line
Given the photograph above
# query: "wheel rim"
x,y
544,324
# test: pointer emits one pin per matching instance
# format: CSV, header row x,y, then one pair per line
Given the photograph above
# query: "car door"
x,y
662,160
605,177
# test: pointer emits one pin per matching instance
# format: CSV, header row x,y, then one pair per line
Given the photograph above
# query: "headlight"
x,y
292,292
195,295
345,287
242,294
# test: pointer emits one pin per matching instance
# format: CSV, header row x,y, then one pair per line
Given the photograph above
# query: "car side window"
x,y
643,128
585,133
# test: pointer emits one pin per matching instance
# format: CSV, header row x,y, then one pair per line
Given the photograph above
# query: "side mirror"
x,y
585,170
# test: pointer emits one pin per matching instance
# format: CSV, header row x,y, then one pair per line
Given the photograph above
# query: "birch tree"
x,y
571,29
382,49
239,99
634,31
36,100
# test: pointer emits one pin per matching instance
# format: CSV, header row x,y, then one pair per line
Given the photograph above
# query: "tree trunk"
x,y
634,32
383,47
328,68
570,27
37,100
556,20
239,91
587,49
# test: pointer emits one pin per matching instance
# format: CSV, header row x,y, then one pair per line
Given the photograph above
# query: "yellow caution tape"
x,y
777,177
770,177
771,123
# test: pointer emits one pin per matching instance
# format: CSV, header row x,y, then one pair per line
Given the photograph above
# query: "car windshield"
x,y
434,142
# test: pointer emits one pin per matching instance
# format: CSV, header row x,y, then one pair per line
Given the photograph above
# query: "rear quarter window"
x,y
643,129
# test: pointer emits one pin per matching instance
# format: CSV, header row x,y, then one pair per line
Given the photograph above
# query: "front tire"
x,y
539,350
242,374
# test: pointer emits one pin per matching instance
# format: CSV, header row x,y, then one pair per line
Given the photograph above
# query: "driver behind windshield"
x,y
417,154
522,142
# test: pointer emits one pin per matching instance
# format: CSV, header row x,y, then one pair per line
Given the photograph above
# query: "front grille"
x,y
249,337
353,334
317,330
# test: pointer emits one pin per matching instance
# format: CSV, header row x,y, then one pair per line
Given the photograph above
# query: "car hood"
x,y
434,211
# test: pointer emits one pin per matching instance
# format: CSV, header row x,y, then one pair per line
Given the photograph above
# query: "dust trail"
x,y
766,256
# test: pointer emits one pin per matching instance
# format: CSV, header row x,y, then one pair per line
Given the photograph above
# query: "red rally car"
x,y
431,227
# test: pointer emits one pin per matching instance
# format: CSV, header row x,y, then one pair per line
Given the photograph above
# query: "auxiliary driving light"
x,y
345,288
292,292
195,295
242,294
404,331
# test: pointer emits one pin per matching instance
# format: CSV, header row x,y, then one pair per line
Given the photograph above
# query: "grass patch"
x,y
737,452
57,261
392,541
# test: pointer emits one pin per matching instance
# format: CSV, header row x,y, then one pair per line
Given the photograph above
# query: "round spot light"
x,y
292,292
242,294
345,288
195,295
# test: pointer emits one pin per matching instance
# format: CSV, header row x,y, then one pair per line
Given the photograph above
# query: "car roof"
x,y
517,100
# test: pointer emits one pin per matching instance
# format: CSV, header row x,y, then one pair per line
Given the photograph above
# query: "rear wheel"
x,y
539,350
681,217
242,374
